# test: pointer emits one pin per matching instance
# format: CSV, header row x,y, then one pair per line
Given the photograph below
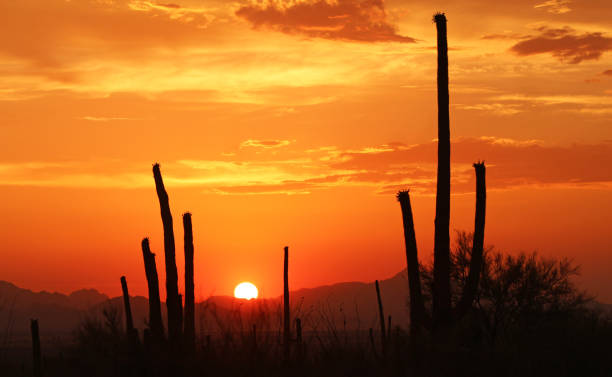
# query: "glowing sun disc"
x,y
246,291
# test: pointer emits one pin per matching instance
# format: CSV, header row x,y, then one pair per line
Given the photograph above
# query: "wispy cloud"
x,y
104,119
267,144
565,44
353,20
555,6
511,163
493,108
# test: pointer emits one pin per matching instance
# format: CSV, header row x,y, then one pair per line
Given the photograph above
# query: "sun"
x,y
245,290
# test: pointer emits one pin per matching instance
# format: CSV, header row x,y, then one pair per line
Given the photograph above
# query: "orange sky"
x,y
294,123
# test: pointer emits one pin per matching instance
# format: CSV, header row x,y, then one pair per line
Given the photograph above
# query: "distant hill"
x,y
60,314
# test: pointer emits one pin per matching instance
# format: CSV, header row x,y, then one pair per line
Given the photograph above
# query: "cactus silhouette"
x,y
172,295
36,356
286,309
155,318
131,332
417,306
443,315
381,316
477,242
129,322
189,322
441,283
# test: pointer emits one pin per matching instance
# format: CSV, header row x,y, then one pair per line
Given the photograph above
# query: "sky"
x,y
295,122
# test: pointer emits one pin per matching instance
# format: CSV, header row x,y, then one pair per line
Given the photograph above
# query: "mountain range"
x,y
350,305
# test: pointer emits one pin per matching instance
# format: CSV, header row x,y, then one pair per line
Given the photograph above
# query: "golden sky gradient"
x,y
294,122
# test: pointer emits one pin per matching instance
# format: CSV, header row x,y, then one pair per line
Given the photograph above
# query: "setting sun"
x,y
246,291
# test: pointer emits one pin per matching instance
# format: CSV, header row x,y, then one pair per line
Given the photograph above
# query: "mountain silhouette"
x,y
350,304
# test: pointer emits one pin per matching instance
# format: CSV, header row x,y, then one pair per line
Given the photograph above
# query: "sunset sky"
x,y
294,122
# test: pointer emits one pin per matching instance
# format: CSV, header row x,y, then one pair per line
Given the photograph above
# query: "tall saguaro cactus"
x,y
441,283
189,323
443,314
155,318
172,295
286,308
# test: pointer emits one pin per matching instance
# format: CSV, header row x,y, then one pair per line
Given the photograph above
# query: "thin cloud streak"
x,y
511,163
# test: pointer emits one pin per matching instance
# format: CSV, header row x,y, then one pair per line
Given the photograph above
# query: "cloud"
x,y
607,72
384,168
565,44
352,20
103,119
494,108
555,6
267,144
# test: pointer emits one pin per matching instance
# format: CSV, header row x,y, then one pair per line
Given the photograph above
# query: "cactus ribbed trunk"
x,y
129,322
473,279
36,357
441,283
172,296
381,316
417,306
286,308
189,324
155,317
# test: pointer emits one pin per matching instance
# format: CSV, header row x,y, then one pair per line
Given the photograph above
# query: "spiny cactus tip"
x,y
439,17
403,194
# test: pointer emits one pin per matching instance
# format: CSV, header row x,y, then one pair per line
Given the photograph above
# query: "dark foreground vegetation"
x,y
528,319
473,312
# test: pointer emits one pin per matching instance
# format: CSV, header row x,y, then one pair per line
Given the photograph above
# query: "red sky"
x,y
294,123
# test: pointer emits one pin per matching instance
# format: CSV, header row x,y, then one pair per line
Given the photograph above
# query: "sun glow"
x,y
246,291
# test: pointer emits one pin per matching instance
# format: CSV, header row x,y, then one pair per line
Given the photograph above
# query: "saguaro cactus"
x,y
155,317
477,241
189,324
381,316
286,308
36,358
129,322
441,283
443,313
417,306
172,295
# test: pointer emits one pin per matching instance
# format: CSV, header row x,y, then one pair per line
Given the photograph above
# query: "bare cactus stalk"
x,y
189,325
129,322
286,308
372,343
155,318
473,279
381,316
254,338
131,332
389,329
417,306
180,301
36,356
441,283
298,330
172,296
